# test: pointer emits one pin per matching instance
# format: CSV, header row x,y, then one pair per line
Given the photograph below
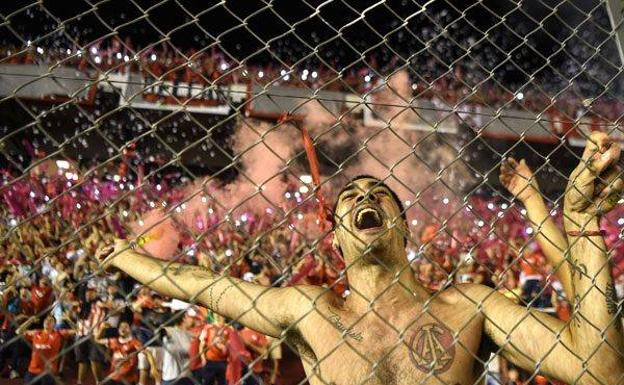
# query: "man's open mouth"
x,y
368,218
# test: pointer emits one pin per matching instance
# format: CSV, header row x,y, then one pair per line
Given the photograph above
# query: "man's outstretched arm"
x,y
265,309
594,188
518,178
589,349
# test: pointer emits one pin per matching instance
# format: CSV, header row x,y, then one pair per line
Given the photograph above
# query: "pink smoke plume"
x,y
156,235
193,213
389,156
409,161
392,103
264,152
315,115
415,164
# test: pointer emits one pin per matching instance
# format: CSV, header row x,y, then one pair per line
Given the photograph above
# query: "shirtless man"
x,y
392,330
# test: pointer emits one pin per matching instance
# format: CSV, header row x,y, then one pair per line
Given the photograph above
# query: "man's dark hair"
x,y
379,183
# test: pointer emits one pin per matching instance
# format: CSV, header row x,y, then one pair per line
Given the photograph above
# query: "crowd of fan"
x,y
480,77
58,310
55,301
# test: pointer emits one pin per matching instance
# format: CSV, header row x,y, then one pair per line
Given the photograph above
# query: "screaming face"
x,y
369,219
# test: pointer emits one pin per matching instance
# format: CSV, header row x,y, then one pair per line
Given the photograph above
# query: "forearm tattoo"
x,y
579,268
582,269
337,322
576,316
612,301
614,306
218,302
197,271
211,295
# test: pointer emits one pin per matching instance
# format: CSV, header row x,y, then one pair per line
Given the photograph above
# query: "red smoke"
x,y
409,161
156,235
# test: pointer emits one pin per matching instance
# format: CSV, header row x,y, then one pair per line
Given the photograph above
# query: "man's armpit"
x,y
296,340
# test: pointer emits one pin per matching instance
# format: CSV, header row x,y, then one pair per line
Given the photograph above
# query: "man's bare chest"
x,y
350,348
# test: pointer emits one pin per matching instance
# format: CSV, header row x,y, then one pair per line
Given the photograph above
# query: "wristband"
x,y
593,233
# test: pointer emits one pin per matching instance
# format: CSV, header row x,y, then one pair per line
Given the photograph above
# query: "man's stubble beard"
x,y
377,251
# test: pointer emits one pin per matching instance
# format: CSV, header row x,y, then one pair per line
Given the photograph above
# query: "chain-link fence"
x,y
287,192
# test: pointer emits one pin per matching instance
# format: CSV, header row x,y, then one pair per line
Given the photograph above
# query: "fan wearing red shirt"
x,y
531,264
46,349
124,352
195,361
214,352
258,345
41,295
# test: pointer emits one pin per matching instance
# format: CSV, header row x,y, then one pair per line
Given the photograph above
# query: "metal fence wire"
x,y
326,192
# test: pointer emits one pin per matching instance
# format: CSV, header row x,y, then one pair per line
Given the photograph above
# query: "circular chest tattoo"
x,y
432,348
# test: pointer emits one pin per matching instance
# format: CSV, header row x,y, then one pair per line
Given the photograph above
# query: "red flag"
x,y
316,177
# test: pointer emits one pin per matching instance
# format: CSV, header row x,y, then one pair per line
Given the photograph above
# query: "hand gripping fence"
x,y
324,192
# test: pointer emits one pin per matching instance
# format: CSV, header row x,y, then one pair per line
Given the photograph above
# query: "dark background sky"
x,y
483,32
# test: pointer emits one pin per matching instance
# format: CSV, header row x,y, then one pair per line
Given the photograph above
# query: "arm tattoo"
x,y
613,306
216,306
577,309
579,268
211,295
337,322
582,268
612,301
197,271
